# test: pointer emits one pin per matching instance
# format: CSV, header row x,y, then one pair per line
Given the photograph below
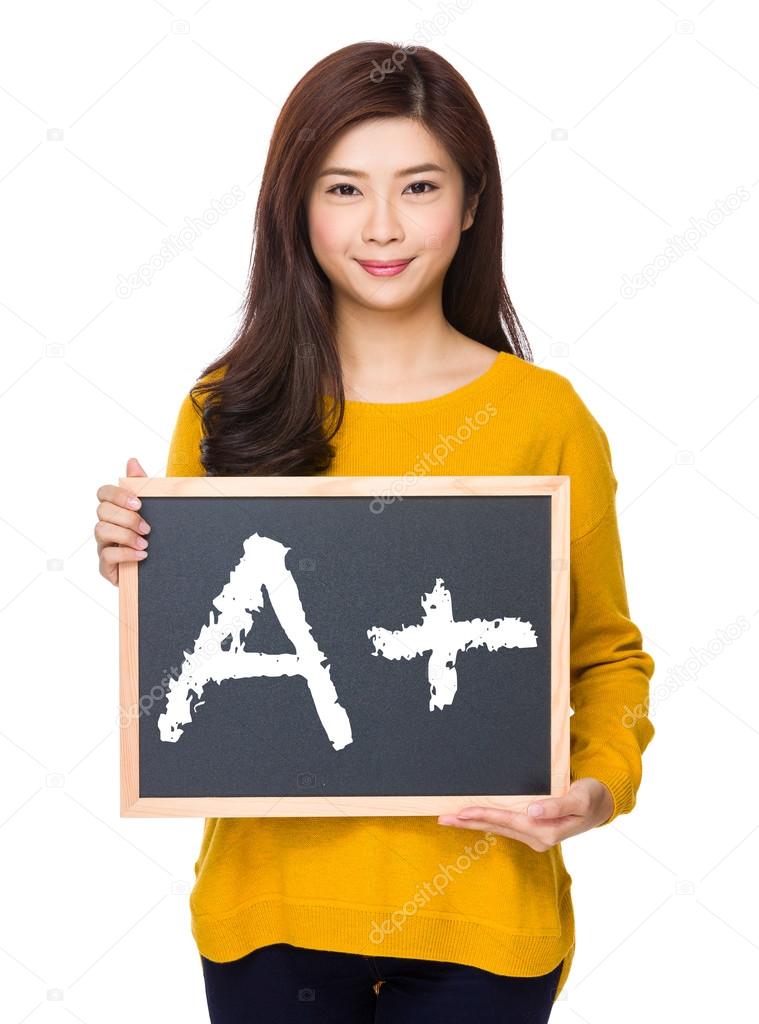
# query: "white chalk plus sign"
x,y
445,638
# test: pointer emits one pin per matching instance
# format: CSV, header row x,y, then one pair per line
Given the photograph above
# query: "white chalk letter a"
x,y
263,561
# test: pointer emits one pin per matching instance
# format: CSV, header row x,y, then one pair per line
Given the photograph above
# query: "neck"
x,y
377,345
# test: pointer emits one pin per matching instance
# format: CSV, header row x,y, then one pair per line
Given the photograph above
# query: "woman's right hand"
x,y
120,527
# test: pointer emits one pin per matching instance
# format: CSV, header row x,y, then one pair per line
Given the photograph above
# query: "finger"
x,y
516,825
109,512
538,843
108,533
499,817
122,495
113,554
478,814
517,821
118,496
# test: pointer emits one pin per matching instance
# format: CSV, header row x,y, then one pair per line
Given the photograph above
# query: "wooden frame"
x,y
132,805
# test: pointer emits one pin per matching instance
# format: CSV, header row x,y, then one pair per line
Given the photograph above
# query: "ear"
x,y
472,207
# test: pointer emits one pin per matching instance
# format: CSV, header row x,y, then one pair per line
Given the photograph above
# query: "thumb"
x,y
557,806
134,468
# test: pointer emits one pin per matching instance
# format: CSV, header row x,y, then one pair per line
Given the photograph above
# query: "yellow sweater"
x,y
407,886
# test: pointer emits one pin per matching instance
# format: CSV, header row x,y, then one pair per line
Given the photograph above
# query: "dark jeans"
x,y
281,983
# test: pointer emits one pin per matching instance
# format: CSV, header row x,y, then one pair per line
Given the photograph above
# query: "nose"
x,y
383,222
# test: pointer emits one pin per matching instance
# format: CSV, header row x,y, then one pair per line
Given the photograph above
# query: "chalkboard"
x,y
324,645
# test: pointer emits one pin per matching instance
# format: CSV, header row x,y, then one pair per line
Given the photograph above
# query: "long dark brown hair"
x,y
263,399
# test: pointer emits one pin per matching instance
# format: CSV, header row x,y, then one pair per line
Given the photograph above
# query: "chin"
x,y
390,305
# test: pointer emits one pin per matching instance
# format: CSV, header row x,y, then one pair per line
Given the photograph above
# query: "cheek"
x,y
327,233
442,227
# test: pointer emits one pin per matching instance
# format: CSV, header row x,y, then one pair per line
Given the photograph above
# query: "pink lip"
x,y
387,269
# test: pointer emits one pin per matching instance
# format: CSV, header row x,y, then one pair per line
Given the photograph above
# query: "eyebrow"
x,y
347,172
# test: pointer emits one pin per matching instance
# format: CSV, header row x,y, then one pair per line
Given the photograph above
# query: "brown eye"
x,y
332,190
415,183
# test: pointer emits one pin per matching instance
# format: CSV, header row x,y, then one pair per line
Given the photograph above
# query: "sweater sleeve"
x,y
184,450
609,670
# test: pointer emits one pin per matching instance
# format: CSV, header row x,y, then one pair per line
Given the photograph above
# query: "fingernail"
x,y
133,502
536,810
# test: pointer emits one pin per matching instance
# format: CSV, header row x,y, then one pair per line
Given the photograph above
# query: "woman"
x,y
376,323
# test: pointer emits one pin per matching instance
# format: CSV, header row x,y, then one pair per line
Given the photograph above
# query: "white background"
x,y
619,126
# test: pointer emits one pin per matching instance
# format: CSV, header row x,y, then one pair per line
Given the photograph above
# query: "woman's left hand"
x,y
545,823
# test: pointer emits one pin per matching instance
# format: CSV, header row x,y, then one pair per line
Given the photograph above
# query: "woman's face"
x,y
386,191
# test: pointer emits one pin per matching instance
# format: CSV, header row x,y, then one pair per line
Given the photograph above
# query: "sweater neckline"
x,y
464,391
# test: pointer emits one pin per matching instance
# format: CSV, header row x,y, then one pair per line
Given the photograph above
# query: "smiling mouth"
x,y
384,268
